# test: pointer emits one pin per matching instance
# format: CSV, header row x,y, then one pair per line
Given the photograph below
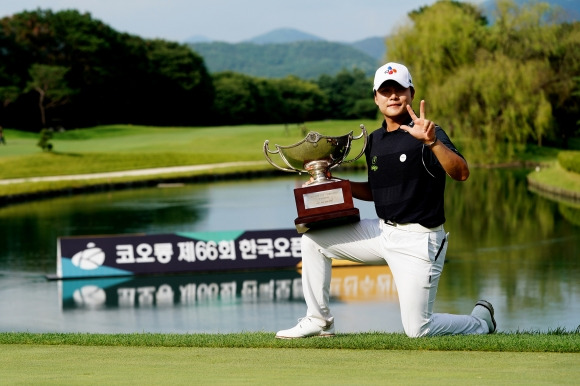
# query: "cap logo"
x,y
391,70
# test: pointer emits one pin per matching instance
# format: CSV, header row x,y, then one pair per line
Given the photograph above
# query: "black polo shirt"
x,y
406,179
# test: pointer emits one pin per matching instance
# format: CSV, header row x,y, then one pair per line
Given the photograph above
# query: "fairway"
x,y
66,364
117,148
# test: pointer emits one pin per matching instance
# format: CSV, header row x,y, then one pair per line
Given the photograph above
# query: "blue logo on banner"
x,y
71,270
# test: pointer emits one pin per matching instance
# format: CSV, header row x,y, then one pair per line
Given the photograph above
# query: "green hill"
x,y
374,47
304,59
283,35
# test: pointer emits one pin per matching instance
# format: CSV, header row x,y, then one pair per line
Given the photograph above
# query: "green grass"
x,y
55,164
97,150
195,142
126,147
259,358
88,365
550,341
554,175
39,188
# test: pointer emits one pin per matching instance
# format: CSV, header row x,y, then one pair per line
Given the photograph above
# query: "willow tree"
x,y
485,84
440,39
561,89
495,105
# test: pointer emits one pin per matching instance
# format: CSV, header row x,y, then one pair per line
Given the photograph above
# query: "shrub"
x,y
570,160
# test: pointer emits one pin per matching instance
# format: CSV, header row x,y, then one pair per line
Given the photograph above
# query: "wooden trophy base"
x,y
324,205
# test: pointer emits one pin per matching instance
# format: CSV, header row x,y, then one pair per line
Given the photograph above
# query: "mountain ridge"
x,y
304,59
289,51
373,46
283,35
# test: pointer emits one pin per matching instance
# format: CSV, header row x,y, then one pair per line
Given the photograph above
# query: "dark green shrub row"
x,y
570,160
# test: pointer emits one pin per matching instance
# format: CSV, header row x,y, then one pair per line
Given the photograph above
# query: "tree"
x,y
11,74
50,84
119,77
178,85
8,94
301,100
44,141
349,95
440,39
576,94
498,110
565,64
235,98
245,99
491,86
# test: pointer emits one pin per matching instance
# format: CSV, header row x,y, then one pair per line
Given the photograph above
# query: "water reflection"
x,y
349,284
507,244
514,243
177,291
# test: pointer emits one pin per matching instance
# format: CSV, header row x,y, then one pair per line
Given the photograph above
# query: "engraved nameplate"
x,y
323,198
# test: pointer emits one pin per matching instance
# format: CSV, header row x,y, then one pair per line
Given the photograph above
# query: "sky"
x,y
234,21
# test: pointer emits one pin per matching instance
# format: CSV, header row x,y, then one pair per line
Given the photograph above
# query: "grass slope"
x,y
122,147
555,179
126,147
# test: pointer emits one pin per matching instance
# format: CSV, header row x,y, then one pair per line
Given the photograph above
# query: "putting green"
x,y
64,364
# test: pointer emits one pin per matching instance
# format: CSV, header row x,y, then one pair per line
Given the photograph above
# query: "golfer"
x,y
408,159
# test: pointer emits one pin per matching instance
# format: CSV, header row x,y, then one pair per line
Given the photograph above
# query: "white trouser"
x,y
415,256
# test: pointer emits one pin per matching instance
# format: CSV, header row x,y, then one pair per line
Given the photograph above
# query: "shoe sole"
x,y
302,337
489,307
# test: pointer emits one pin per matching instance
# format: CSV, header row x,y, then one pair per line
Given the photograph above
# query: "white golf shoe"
x,y
307,327
484,310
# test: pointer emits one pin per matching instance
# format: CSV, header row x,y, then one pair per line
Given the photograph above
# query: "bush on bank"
x,y
570,160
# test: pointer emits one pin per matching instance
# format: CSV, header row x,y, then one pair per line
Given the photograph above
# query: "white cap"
x,y
393,71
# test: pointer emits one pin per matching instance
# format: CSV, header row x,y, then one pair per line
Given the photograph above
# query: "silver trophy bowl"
x,y
316,154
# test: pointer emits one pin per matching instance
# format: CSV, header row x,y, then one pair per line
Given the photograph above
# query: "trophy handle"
x,y
267,150
362,134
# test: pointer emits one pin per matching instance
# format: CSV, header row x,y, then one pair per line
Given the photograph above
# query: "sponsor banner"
x,y
122,255
348,284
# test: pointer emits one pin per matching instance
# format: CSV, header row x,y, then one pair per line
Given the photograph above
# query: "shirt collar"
x,y
384,127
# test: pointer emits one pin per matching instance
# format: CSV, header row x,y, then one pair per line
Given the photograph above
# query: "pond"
x,y
508,245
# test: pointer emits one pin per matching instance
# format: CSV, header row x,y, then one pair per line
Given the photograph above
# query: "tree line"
x,y
67,69
496,86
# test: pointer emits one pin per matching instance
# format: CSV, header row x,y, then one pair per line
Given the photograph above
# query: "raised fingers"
x,y
422,109
411,113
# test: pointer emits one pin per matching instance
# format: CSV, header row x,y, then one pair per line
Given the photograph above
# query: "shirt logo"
x,y
403,157
374,166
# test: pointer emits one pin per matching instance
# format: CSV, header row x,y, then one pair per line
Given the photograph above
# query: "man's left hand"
x,y
423,129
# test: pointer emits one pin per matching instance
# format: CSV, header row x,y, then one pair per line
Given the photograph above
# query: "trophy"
x,y
323,201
